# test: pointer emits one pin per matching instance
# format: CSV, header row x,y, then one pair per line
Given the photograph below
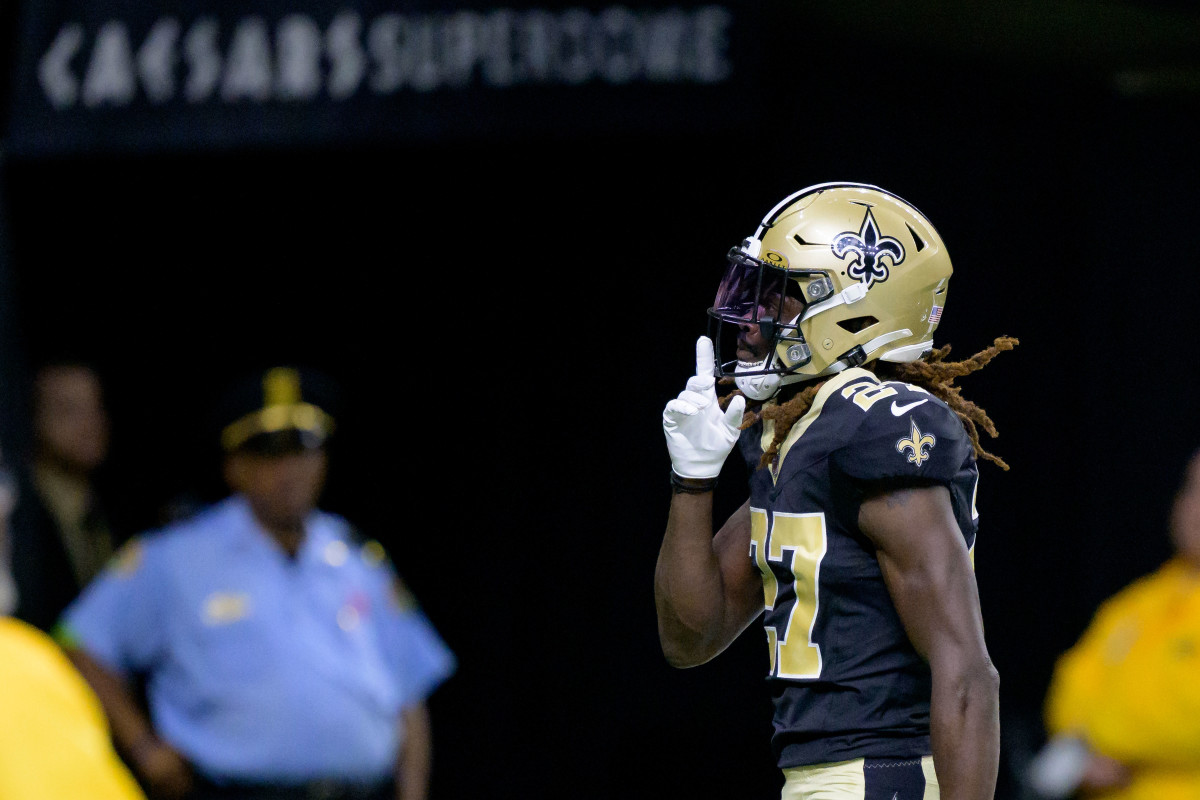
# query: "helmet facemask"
x,y
764,301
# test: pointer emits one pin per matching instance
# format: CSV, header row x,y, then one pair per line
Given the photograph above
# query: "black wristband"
x,y
682,485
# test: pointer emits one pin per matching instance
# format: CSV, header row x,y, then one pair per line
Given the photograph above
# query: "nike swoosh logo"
x,y
899,410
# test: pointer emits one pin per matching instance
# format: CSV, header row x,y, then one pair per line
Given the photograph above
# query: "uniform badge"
x,y
917,442
336,553
223,608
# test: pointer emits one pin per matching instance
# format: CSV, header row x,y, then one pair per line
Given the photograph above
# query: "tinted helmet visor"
x,y
754,292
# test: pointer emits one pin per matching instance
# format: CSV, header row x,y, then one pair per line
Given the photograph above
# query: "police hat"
x,y
279,410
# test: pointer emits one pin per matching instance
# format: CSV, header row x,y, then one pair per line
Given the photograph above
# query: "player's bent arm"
x,y
706,590
928,571
415,759
158,765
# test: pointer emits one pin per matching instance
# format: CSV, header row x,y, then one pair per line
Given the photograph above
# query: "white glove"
x,y
699,434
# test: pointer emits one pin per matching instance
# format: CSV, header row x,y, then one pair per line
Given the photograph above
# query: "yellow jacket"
x,y
54,740
1130,687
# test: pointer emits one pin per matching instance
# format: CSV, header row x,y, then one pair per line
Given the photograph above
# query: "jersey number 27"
x,y
798,542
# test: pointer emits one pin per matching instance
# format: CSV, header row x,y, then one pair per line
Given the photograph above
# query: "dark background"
x,y
508,314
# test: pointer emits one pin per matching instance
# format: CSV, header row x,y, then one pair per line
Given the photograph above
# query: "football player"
x,y
856,544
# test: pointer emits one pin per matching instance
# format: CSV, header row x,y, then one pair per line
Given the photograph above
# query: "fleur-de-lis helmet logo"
x,y
869,250
917,442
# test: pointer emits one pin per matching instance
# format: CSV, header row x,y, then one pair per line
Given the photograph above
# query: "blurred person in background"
x,y
282,656
62,534
1123,706
54,743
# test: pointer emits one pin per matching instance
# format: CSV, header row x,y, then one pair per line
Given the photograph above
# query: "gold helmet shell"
x,y
865,274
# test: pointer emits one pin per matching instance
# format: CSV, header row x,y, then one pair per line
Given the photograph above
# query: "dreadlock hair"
x,y
932,373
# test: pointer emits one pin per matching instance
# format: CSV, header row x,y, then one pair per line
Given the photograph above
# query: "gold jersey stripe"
x,y
832,385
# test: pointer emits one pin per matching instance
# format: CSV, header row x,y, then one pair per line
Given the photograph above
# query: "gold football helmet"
x,y
837,275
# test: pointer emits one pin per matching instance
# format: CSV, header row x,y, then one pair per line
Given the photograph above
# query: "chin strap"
x,y
853,358
764,387
758,387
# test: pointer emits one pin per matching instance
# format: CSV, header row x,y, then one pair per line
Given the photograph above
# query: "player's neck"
x,y
791,390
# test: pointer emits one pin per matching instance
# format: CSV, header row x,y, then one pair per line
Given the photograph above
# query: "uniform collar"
x,y
245,529
801,425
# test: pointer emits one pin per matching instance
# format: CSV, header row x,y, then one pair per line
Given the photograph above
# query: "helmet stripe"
x,y
786,202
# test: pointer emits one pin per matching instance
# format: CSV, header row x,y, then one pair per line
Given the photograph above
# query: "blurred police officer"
x,y
282,657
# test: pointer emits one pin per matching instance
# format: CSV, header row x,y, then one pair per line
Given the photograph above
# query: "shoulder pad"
x,y
906,433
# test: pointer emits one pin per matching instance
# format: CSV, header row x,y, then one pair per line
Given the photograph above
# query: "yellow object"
x,y
1130,687
54,743
273,419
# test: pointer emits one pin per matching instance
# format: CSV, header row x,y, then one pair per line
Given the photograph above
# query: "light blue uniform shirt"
x,y
262,667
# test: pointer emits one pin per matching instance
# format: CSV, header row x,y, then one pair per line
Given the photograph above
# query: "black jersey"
x,y
845,680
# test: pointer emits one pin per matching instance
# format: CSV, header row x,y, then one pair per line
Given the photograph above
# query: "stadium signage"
x,y
89,79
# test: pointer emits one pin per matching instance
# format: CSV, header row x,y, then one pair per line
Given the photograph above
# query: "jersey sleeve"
x,y
117,619
906,437
420,661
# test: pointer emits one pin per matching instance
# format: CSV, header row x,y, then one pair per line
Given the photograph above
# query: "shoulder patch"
x,y
128,559
372,553
906,433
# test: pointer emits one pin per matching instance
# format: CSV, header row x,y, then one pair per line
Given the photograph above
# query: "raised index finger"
x,y
705,359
